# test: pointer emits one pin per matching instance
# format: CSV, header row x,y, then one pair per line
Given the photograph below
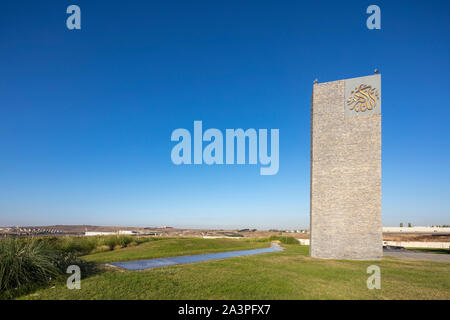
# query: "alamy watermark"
x,y
374,281
374,20
73,281
213,153
74,20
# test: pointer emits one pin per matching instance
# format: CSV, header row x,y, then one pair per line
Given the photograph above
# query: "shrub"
x,y
124,241
111,242
99,249
259,239
27,263
284,239
116,242
140,240
77,245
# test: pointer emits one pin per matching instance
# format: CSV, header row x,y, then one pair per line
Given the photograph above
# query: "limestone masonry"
x,y
346,169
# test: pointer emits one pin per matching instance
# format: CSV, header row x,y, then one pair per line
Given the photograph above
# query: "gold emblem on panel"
x,y
364,97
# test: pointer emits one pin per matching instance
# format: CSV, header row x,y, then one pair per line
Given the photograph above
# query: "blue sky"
x,y
86,115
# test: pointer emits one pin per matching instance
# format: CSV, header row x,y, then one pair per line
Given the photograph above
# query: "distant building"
x,y
98,233
109,233
416,229
129,232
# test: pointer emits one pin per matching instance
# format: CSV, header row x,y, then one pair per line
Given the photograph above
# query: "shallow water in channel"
x,y
162,262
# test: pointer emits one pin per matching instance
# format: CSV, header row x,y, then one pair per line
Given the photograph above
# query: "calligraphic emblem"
x,y
362,98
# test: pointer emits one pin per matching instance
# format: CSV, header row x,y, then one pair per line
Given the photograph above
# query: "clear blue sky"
x,y
86,116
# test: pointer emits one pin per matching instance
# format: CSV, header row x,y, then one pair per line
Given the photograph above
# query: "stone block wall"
x,y
345,178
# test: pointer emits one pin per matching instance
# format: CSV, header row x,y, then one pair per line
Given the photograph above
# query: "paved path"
x,y
162,262
414,255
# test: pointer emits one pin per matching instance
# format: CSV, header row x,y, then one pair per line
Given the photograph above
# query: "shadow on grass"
x,y
430,250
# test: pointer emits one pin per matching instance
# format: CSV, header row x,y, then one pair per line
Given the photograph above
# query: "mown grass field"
x,y
290,274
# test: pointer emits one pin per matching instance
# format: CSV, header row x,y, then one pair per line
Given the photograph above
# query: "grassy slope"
x,y
289,274
174,247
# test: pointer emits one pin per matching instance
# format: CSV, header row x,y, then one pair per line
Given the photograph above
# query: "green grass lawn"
x,y
174,247
289,274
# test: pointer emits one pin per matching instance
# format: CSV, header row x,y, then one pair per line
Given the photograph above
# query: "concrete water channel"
x,y
162,262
